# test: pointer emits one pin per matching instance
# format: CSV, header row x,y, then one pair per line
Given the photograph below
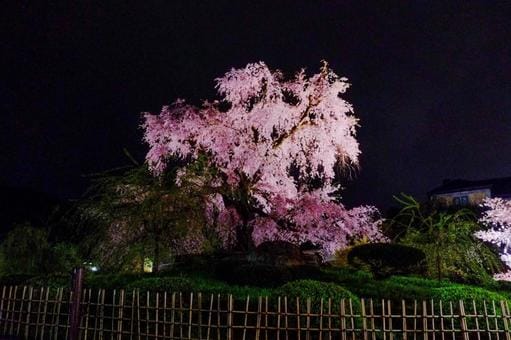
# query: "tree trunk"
x,y
156,262
438,264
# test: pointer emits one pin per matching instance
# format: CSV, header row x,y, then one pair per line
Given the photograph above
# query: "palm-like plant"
x,y
446,236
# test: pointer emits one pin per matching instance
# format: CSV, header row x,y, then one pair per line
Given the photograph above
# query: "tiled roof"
x,y
498,186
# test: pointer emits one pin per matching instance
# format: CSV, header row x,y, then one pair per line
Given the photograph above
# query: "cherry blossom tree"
x,y
278,146
498,218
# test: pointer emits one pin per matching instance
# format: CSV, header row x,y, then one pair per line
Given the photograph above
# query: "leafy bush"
x,y
257,274
280,253
315,291
418,281
385,259
462,292
25,249
50,280
347,277
62,258
447,239
210,286
111,281
167,284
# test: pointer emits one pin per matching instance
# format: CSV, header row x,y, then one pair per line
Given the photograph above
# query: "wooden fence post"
x,y
74,307
463,321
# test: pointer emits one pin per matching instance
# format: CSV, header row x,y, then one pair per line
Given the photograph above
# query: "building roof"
x,y
500,187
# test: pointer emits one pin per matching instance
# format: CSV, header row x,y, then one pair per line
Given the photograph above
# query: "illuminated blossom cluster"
x,y
324,223
270,136
498,218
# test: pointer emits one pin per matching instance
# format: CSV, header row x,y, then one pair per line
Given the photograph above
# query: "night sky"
x,y
431,82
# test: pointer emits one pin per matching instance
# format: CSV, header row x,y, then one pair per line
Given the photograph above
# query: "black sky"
x,y
431,81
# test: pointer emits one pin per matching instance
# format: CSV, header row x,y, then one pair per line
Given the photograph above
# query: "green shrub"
x,y
346,277
243,272
62,258
14,279
163,284
280,253
390,291
210,286
418,281
386,259
466,293
111,281
25,249
315,290
50,280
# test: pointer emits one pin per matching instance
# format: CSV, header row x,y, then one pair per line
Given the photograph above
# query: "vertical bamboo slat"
x,y
504,318
403,315
229,317
321,319
138,315
286,324
442,329
45,312
298,317
20,311
102,313
132,313
508,317
247,302
279,312
199,303
165,314
364,318
463,321
373,326
156,315
390,320
414,319
383,321
342,315
190,315
172,314
308,319
266,318
181,316
433,335
29,311
13,309
218,309
2,313
87,312
147,316
38,316
57,306
425,320
329,319
258,317
476,319
210,315
120,315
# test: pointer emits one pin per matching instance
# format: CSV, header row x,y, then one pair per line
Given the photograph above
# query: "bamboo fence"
x,y
43,313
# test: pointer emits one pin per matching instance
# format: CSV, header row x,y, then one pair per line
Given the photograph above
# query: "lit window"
x,y
460,200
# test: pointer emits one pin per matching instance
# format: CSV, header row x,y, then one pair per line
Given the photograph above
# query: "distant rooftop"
x,y
500,187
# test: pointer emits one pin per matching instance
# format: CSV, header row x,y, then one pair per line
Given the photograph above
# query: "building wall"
x,y
468,197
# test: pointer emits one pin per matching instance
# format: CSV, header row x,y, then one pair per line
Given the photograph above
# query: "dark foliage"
x,y
386,259
315,291
280,253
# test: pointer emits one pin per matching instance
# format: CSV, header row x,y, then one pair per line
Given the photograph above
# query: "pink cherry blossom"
x,y
271,125
497,217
